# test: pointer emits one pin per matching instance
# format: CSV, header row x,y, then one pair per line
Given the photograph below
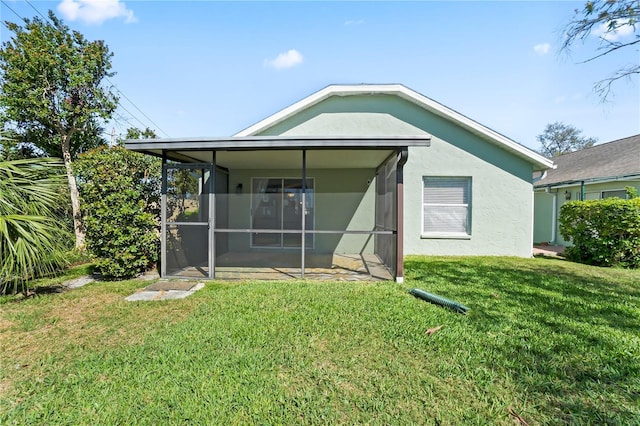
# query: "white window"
x,y
446,206
620,193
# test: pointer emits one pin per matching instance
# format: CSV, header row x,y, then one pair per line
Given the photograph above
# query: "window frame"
x,y
621,191
443,234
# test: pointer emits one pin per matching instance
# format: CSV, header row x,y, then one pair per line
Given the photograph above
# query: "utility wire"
x,y
107,78
136,118
14,12
136,107
37,11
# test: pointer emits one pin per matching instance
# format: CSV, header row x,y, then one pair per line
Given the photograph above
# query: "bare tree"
x,y
615,22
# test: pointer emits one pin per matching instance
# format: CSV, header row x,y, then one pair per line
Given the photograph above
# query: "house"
x,y
346,182
593,173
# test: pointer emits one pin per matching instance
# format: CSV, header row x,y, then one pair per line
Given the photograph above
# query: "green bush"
x,y
603,233
120,192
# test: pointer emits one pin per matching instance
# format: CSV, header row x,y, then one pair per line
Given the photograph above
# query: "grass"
x,y
552,341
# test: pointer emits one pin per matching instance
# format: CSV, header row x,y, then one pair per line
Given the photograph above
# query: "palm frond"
x,y
30,235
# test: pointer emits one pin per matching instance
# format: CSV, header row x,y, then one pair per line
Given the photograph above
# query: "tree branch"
x,y
612,49
603,87
610,16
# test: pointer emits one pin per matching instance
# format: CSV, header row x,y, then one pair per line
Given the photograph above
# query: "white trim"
x,y
589,181
540,162
444,236
447,235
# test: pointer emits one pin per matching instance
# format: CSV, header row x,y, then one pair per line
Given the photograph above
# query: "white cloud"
x,y
95,12
285,60
542,48
625,29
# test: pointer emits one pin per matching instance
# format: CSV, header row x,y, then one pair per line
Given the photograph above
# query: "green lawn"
x,y
552,341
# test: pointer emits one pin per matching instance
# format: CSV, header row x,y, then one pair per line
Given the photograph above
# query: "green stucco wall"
x,y
543,217
502,196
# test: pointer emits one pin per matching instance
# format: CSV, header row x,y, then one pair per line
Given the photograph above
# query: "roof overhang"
x,y
187,149
575,182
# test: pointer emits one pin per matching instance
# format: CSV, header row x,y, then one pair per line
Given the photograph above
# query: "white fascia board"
x,y
590,181
539,161
286,113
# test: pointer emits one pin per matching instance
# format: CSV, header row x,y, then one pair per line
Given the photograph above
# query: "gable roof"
x,y
616,159
539,161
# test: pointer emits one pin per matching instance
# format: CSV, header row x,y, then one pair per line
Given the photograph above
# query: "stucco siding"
x,y
543,217
501,204
379,115
502,193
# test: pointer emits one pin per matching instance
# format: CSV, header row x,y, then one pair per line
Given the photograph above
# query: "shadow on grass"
x,y
46,285
49,289
567,334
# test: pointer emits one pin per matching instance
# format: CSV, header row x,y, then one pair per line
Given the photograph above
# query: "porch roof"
x,y
185,149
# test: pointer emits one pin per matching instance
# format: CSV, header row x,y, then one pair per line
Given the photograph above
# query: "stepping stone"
x,y
171,285
166,290
78,282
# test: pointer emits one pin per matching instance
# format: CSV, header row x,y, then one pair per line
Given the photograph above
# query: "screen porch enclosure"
x,y
274,207
272,220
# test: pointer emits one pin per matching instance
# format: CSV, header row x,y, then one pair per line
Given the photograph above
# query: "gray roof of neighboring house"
x,y
620,158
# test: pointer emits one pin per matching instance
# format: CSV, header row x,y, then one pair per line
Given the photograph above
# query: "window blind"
x,y
446,205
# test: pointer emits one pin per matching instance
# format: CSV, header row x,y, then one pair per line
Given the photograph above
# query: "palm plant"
x,y
31,237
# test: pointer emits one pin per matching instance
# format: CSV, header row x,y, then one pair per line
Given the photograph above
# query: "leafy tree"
x,y
120,191
631,191
31,238
53,92
135,133
607,19
12,149
559,138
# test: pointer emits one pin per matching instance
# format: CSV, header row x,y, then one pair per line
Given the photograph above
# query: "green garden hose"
x,y
439,300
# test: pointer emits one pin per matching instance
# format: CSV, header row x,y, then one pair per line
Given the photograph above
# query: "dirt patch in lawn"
x,y
94,321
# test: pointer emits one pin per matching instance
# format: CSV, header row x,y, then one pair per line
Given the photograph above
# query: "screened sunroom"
x,y
278,207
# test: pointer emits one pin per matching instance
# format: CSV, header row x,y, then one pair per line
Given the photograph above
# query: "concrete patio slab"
x,y
260,266
166,290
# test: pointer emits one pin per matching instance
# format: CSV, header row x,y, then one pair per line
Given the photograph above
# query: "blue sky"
x,y
206,68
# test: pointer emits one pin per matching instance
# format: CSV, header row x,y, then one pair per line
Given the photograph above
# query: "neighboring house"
x,y
350,173
593,173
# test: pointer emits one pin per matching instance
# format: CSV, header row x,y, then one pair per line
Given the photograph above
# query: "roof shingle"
x,y
612,159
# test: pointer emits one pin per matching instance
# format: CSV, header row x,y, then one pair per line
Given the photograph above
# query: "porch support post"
x,y
163,217
303,210
212,217
402,159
